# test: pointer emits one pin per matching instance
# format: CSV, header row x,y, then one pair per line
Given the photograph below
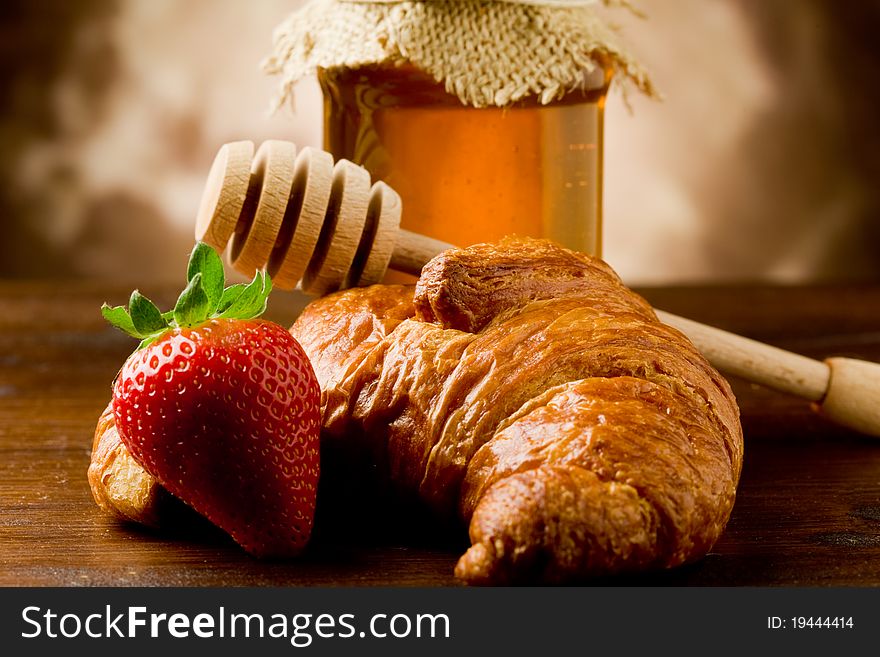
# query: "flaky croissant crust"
x,y
523,386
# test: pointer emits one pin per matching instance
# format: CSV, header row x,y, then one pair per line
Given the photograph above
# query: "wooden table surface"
x,y
807,512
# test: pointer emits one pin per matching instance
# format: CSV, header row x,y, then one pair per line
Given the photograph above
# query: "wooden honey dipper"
x,y
323,226
310,222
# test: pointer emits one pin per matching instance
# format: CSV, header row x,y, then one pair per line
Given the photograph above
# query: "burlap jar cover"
x,y
487,53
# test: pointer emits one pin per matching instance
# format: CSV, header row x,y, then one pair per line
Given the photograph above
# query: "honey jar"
x,y
486,116
469,174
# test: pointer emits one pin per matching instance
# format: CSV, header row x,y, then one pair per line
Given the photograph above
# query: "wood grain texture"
x,y
807,513
273,171
226,191
303,217
342,230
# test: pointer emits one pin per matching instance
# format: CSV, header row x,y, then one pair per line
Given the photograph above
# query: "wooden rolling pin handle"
x,y
845,390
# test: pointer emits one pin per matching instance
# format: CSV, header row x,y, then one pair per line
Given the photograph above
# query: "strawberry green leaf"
x,y
205,261
192,304
118,316
145,317
264,294
230,294
240,307
258,307
252,300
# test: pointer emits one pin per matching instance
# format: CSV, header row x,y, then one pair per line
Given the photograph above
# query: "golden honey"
x,y
470,174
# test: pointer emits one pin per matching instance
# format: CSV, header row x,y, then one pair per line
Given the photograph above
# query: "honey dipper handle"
x,y
755,361
845,390
412,251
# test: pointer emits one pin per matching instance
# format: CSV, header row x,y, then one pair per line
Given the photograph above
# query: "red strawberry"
x,y
223,410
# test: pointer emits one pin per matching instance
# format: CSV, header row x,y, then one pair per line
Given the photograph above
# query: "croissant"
x,y
522,388
525,388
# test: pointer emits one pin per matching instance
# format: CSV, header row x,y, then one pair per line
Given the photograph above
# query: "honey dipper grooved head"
x,y
307,221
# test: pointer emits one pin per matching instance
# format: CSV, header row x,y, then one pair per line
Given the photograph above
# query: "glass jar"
x,y
468,174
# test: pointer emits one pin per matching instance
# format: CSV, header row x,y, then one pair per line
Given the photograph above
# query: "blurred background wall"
x,y
762,162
